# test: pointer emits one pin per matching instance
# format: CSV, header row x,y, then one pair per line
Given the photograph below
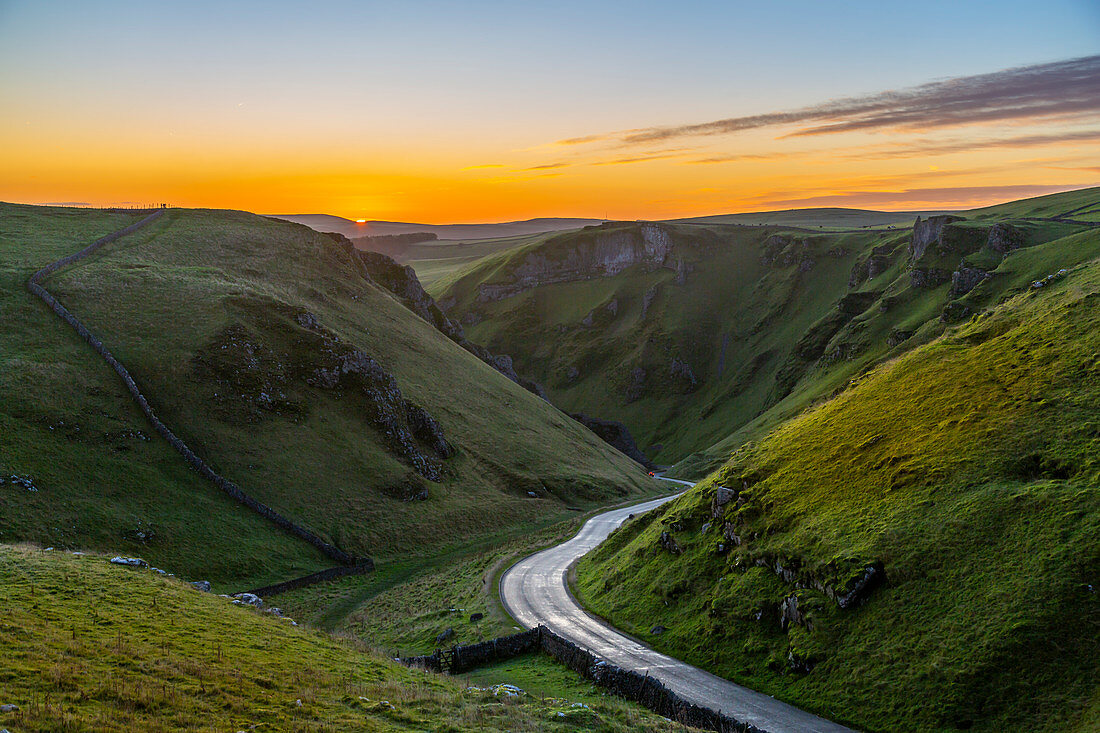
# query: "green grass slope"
x,y
738,327
90,646
103,478
224,319
966,471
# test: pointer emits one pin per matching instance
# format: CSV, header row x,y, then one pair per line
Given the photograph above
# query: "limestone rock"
x,y
134,562
1004,238
658,630
249,599
201,585
668,542
445,635
926,232
965,279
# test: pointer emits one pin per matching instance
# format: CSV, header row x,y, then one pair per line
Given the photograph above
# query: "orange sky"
x,y
494,114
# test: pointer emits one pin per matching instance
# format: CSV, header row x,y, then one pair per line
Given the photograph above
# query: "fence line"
x,y
228,487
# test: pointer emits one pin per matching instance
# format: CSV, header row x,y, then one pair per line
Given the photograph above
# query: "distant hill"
x,y
826,218
352,229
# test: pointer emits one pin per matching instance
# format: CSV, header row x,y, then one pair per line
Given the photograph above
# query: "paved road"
x,y
534,591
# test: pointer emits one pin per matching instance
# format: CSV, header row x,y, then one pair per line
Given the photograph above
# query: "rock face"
x,y
403,423
926,232
604,254
930,277
782,251
615,434
872,266
965,279
1004,238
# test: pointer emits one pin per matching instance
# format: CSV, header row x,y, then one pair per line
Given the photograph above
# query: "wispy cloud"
x,y
547,166
642,158
1061,89
924,147
956,196
483,166
737,157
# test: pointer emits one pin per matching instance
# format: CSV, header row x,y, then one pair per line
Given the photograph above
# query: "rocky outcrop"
x,y
602,253
965,279
871,266
1004,238
616,435
926,232
928,277
250,378
636,389
683,378
782,251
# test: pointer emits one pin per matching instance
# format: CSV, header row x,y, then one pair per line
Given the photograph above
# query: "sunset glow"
x,y
490,114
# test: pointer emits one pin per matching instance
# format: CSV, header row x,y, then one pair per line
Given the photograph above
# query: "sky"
x,y
475,111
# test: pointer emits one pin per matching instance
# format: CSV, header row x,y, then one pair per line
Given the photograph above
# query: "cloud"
x,y
1062,89
547,166
483,166
737,157
660,155
957,196
965,146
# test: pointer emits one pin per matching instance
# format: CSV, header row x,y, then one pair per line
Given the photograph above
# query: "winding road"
x,y
535,591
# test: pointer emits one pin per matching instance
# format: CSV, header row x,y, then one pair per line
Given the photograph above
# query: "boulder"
x,y
201,585
9,708
133,562
658,630
445,635
475,617
249,599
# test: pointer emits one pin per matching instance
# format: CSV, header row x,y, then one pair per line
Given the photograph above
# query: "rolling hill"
x,y
353,229
270,350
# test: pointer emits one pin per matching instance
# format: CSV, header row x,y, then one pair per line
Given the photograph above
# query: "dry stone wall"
x,y
628,684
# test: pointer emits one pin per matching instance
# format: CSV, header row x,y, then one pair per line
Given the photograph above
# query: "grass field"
x,y
90,646
163,300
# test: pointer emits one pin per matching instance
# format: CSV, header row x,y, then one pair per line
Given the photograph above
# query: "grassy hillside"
x,y
90,646
737,328
103,479
921,551
251,338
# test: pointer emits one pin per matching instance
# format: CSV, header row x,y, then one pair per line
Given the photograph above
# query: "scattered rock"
x,y
475,617
658,630
790,614
9,708
445,635
532,494
134,562
25,482
201,585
